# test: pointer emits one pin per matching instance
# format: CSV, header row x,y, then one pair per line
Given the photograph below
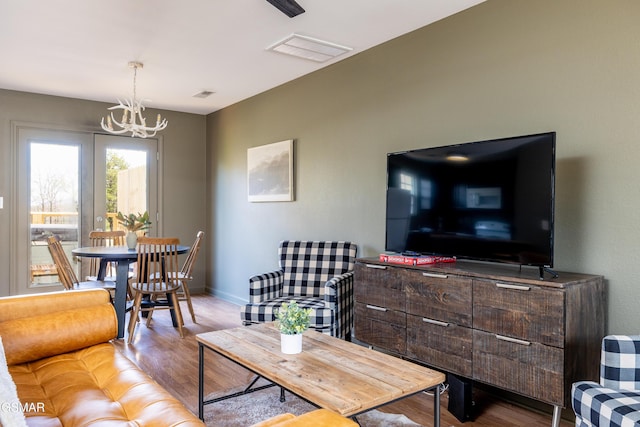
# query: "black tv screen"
x,y
488,200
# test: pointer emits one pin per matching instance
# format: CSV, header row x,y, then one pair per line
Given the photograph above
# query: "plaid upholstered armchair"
x,y
317,275
616,400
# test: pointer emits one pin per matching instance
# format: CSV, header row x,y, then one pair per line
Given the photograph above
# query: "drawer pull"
x,y
435,322
379,267
513,340
435,275
515,287
375,307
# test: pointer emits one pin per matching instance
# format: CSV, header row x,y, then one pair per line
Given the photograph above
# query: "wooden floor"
x,y
173,362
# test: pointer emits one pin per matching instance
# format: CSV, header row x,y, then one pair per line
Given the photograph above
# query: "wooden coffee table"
x,y
330,373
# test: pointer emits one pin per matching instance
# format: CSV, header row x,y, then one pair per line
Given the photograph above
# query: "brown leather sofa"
x,y
68,373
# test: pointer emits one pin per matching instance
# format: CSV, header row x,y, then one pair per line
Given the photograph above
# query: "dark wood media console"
x,y
491,323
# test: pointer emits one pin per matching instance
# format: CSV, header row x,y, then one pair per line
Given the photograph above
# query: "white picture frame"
x,y
270,172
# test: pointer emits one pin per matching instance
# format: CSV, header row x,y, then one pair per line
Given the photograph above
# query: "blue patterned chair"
x,y
616,400
317,275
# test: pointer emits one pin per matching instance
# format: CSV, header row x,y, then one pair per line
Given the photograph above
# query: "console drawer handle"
x,y
435,322
515,287
513,340
375,307
437,276
379,267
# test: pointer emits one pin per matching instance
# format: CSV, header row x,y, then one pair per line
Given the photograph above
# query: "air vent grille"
x,y
309,48
203,94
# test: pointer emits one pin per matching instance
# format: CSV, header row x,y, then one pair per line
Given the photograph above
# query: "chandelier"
x,y
132,120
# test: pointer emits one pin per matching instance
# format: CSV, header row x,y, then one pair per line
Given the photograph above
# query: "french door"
x,y
68,183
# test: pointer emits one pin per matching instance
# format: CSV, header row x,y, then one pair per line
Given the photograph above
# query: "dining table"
x,y
122,256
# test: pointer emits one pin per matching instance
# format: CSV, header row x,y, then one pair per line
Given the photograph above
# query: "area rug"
x,y
248,409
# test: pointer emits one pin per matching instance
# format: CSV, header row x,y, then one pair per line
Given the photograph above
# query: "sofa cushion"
x,y
95,384
321,316
10,407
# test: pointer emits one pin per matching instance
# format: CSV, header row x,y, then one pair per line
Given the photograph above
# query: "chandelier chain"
x,y
135,74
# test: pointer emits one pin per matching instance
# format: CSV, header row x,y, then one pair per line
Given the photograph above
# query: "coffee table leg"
x,y
200,381
436,406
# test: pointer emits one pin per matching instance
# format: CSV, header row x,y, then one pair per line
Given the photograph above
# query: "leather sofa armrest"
x,y
37,326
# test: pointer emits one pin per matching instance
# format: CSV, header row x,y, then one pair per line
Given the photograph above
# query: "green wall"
x,y
502,68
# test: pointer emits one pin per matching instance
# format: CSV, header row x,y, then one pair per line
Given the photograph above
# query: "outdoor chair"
x,y
615,401
317,275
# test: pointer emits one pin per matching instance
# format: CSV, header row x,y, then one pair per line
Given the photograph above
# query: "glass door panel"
x,y
54,208
125,179
126,184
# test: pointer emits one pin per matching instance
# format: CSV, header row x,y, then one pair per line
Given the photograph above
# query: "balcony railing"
x,y
54,217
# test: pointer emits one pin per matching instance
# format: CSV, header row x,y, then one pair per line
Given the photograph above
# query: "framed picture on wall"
x,y
270,172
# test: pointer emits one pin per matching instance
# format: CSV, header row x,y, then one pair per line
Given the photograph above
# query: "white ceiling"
x,y
81,48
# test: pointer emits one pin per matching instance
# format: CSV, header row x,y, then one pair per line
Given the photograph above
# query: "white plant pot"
x,y
132,239
291,344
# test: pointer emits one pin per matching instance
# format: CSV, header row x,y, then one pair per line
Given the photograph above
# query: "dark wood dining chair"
x,y
156,257
67,274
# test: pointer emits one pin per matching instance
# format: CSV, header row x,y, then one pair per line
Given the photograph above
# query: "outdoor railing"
x,y
54,217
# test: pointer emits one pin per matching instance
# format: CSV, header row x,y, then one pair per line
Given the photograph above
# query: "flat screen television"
x,y
488,200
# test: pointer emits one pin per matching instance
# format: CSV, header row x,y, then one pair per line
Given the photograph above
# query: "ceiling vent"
x,y
203,94
309,48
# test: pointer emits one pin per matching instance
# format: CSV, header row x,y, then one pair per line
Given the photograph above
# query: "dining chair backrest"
x,y
107,238
104,238
156,257
66,274
189,262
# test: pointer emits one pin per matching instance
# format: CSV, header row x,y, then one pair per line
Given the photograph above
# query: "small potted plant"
x,y
292,321
134,223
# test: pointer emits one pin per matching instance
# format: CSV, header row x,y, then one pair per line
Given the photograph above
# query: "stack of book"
x,y
415,260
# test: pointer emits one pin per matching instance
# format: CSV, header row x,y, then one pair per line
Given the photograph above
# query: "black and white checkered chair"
x,y
317,275
616,400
